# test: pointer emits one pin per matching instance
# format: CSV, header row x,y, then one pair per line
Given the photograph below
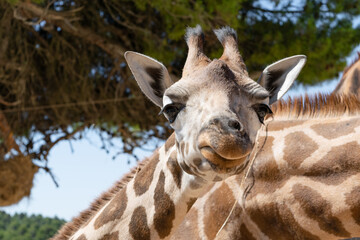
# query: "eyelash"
x,y
261,111
172,110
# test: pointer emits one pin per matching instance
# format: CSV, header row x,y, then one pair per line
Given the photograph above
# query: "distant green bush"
x,y
23,227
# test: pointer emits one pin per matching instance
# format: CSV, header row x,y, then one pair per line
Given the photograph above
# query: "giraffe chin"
x,y
221,163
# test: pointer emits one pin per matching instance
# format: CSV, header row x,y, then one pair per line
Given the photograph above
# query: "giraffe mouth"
x,y
224,149
215,158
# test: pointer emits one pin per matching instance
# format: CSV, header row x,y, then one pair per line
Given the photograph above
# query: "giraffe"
x,y
304,183
215,110
201,223
350,80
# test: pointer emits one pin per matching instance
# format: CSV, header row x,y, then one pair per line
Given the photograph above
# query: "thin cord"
x,y
71,104
241,184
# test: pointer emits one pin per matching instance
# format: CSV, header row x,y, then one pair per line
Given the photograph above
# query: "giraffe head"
x,y
215,109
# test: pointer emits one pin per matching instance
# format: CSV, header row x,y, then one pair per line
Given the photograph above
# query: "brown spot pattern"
x,y
111,236
82,237
164,209
190,203
188,231
114,210
336,129
138,226
217,179
277,222
236,222
266,172
217,208
319,210
337,165
266,155
145,175
175,170
245,233
281,125
298,147
170,142
353,200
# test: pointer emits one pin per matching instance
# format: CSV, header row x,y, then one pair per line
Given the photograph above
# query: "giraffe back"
x,y
304,184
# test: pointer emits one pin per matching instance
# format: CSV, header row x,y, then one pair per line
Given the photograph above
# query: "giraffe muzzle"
x,y
224,142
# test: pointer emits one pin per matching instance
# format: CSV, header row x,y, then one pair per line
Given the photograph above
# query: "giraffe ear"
x,y
278,77
151,75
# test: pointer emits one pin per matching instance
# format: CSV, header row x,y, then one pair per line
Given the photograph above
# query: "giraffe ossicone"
x,y
216,111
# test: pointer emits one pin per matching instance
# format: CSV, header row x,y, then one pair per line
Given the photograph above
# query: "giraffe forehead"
x,y
217,77
198,96
188,87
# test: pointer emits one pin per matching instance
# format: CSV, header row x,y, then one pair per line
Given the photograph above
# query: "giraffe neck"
x,y
151,205
305,184
306,180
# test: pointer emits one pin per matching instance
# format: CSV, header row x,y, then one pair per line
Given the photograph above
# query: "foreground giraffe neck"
x,y
151,205
350,81
305,184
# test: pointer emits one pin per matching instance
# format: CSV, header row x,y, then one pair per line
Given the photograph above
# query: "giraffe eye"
x,y
172,110
261,110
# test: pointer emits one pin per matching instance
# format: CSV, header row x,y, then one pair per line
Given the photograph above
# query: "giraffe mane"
x,y
319,105
68,229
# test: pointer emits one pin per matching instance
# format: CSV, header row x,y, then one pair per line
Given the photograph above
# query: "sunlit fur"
x,y
304,183
317,106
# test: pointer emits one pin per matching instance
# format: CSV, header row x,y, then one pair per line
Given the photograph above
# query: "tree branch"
x,y
65,137
7,134
3,102
26,11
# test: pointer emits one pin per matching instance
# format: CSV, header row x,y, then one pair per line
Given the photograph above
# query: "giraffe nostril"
x,y
234,124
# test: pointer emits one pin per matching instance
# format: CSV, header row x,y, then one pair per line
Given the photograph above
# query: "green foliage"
x,y
12,2
322,30
23,227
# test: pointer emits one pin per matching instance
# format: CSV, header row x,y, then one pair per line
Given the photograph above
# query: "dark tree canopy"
x,y
62,69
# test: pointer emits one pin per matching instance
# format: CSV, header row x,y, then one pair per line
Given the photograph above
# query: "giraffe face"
x,y
215,109
215,119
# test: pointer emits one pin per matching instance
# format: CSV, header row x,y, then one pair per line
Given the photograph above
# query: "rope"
x,y
241,185
71,104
